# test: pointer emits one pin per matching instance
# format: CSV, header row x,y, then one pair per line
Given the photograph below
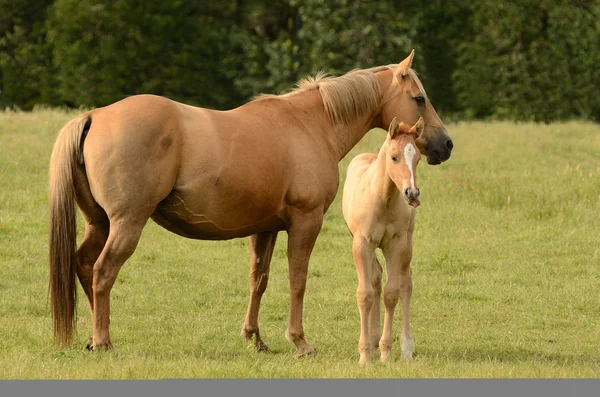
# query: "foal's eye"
x,y
394,159
420,100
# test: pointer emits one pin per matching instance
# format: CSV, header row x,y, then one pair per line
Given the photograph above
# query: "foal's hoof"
x,y
90,344
386,357
408,347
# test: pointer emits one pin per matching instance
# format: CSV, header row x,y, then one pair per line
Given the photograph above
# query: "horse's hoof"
x,y
253,341
96,347
90,344
305,352
261,347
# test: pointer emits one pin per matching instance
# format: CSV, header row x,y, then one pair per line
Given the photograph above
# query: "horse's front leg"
x,y
261,251
302,233
398,255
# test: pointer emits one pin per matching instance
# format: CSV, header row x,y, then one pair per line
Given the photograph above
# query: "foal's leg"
x,y
398,255
122,241
364,259
375,317
261,251
302,234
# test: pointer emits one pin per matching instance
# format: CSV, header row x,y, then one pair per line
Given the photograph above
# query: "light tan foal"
x,y
379,201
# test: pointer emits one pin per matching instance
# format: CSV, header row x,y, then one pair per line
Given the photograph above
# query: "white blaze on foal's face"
x,y
409,157
402,161
403,157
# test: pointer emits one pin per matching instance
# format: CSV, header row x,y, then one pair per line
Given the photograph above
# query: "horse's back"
x,y
132,152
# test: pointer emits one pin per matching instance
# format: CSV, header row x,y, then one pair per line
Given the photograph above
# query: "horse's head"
x,y
402,158
407,100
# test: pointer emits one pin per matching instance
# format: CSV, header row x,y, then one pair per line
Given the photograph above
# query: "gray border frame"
x,y
306,387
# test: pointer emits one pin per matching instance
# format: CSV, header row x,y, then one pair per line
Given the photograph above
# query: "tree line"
x,y
520,60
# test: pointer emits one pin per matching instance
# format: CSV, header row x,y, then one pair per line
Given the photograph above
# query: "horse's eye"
x,y
420,100
394,159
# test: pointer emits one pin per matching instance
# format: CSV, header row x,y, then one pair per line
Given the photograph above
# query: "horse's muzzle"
x,y
439,149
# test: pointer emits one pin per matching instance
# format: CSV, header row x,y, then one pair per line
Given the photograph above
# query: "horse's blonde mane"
x,y
347,97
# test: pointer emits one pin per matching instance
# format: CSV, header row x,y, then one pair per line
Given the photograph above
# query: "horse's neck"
x,y
342,138
345,137
382,184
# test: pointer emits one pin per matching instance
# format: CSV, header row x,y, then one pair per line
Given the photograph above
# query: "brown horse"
x,y
379,201
267,166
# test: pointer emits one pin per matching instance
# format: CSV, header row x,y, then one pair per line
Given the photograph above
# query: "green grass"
x,y
505,272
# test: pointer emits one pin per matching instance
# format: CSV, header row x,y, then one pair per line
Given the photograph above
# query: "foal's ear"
x,y
394,129
405,65
418,128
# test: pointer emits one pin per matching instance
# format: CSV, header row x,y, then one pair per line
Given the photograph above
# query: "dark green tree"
x,y
106,50
530,60
25,56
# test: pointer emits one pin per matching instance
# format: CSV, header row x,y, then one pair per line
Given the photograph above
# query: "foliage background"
x,y
521,60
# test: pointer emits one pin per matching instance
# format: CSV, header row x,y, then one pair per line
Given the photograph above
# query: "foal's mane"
x,y
349,96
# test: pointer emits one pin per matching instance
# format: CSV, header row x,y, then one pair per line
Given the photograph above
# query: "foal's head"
x,y
402,158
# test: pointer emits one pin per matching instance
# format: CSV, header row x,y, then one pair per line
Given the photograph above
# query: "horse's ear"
x,y
418,128
405,65
394,128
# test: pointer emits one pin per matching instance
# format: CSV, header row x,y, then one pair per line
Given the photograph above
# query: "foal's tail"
x,y
63,163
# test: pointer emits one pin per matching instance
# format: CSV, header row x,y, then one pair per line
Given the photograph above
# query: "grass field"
x,y
506,283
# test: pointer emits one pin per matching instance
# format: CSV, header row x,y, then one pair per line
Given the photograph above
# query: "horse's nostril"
x,y
449,144
407,192
418,192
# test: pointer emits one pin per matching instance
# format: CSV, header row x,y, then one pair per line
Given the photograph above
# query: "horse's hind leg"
x,y
261,251
93,242
87,255
96,233
122,241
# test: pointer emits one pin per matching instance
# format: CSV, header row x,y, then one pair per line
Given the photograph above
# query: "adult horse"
x,y
267,166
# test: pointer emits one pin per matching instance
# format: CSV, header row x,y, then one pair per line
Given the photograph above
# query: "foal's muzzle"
x,y
412,196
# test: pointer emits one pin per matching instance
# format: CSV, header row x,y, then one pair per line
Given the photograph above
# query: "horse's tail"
x,y
63,163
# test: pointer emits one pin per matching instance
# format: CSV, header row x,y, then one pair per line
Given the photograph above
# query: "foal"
x,y
379,201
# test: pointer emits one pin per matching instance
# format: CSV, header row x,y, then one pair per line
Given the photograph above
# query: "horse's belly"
x,y
175,215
